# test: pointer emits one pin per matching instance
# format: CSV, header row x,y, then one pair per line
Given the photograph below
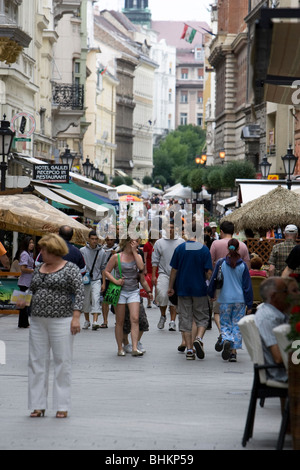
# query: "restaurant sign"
x,y
51,173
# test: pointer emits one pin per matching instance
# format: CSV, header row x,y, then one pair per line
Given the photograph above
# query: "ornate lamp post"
x,y
6,139
87,166
289,162
99,176
67,158
265,167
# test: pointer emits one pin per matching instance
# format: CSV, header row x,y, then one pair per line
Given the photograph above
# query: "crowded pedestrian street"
x,y
157,402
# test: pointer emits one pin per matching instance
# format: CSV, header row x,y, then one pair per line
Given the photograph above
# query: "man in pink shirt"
x,y
219,249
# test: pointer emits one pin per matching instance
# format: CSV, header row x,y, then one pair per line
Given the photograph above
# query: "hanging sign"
x,y
51,173
23,124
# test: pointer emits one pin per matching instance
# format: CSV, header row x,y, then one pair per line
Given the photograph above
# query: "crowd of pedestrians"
x,y
190,280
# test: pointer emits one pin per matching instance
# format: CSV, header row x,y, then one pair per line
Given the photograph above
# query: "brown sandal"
x,y
62,414
37,414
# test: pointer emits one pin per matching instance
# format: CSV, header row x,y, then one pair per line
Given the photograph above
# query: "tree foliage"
x,y
218,176
177,152
147,180
242,169
196,180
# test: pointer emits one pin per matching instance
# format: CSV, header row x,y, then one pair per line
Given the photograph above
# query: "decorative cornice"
x,y
64,7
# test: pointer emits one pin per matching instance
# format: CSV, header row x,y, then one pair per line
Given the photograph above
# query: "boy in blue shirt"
x,y
191,266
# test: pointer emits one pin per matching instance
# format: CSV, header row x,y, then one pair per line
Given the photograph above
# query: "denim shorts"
x,y
129,296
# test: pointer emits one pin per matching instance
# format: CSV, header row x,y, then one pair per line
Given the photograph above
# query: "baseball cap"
x,y
291,229
213,224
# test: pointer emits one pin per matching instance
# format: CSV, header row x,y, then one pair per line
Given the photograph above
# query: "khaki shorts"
x,y
192,309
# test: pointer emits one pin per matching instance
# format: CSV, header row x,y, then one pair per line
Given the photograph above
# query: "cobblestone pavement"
x,y
157,402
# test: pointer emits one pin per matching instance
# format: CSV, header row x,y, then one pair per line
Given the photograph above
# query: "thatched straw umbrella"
x,y
279,207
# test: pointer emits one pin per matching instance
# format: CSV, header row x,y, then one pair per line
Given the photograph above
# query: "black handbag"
x,y
219,279
174,298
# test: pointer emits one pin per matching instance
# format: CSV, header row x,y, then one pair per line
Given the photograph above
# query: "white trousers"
x,y
45,335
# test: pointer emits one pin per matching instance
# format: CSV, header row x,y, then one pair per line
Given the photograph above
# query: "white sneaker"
x,y
140,347
128,348
161,323
86,325
172,326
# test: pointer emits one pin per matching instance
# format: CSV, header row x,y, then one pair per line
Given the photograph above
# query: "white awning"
x,y
249,191
52,196
230,201
90,209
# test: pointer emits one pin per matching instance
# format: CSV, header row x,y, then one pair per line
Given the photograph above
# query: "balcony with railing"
x,y
68,96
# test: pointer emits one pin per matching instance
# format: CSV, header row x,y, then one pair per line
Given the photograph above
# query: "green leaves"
x,y
242,169
177,153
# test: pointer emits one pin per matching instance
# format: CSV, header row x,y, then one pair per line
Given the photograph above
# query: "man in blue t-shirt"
x,y
191,266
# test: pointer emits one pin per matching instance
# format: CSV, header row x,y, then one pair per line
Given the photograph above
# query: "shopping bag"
x,y
113,291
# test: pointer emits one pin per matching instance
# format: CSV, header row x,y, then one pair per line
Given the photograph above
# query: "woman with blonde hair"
x,y
131,265
57,299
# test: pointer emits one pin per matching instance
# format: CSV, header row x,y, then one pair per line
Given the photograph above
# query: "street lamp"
x,y
93,171
6,139
222,155
265,167
201,160
87,166
289,162
99,176
67,158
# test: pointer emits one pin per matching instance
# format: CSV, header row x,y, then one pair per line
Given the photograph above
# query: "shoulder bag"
x,y
88,277
219,279
113,291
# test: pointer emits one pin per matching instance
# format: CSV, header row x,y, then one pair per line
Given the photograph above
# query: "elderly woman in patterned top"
x,y
57,301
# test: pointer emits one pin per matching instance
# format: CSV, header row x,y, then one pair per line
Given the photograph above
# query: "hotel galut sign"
x,y
52,173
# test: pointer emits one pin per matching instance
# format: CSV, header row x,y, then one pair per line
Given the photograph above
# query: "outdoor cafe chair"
x,y
281,333
262,387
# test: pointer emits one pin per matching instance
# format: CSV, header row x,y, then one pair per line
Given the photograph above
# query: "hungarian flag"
x,y
102,71
188,33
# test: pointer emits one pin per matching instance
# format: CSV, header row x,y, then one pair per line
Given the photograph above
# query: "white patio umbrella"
x,y
124,189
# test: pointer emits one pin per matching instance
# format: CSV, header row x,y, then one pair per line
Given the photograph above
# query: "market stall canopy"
x,y
248,189
279,207
90,203
179,192
124,189
128,197
29,214
153,190
229,201
51,196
